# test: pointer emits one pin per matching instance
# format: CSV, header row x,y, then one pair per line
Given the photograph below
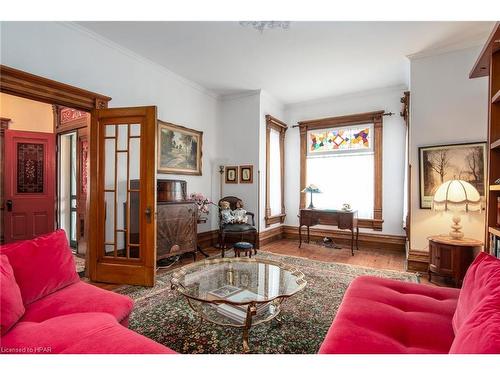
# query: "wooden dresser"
x,y
450,258
176,220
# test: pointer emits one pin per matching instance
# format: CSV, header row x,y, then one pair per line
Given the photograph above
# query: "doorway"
x,y
66,202
28,168
71,126
101,264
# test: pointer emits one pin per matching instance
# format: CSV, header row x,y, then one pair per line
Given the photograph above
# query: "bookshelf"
x,y
488,64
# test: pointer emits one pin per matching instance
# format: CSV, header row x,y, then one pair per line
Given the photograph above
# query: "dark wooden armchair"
x,y
241,231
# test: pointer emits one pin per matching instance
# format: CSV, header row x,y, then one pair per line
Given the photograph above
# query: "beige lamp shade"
x,y
456,195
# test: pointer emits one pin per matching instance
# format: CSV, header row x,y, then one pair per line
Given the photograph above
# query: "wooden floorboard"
x,y
365,257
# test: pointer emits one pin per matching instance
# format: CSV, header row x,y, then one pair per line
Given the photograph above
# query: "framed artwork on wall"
x,y
246,174
438,164
179,149
231,175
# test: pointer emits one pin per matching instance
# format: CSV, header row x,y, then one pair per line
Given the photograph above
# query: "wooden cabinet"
x,y
176,228
450,258
176,219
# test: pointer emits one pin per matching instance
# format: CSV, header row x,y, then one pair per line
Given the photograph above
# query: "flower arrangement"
x,y
202,202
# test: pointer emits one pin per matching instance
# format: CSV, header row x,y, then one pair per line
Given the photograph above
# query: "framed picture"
x,y
246,174
232,175
438,164
179,149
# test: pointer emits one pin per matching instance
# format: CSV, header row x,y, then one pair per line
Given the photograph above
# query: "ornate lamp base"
x,y
456,233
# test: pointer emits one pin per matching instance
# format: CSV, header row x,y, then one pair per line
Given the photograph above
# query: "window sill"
x,y
275,219
375,224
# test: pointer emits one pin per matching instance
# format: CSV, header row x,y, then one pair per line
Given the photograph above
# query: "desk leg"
x,y
352,241
357,238
300,235
308,234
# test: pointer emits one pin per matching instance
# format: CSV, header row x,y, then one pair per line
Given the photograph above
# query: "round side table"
x,y
450,258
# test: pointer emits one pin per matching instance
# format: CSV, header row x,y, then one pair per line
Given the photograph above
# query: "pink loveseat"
x,y
394,317
45,308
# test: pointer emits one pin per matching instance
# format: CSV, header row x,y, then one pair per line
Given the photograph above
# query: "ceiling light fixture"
x,y
262,25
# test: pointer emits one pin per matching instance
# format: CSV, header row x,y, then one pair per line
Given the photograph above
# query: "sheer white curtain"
x,y
274,172
343,178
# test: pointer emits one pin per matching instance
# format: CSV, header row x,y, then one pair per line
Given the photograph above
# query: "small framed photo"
x,y
231,175
246,174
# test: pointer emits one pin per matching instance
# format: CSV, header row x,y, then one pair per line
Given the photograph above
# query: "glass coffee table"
x,y
237,292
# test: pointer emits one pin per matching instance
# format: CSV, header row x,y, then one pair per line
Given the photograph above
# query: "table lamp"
x,y
456,196
311,189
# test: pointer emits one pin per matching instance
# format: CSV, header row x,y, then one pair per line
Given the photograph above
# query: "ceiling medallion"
x,y
262,25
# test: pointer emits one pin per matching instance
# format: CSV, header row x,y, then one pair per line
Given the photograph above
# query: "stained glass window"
x,y
30,164
357,138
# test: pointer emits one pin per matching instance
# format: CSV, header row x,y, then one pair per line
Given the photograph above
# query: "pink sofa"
x,y
45,308
387,316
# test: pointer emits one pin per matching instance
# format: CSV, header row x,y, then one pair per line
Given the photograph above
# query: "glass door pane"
x,y
122,190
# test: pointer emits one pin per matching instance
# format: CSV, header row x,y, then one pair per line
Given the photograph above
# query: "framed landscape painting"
x,y
179,149
438,164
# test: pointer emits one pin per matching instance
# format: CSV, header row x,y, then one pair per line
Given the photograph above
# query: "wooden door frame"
x,y
19,83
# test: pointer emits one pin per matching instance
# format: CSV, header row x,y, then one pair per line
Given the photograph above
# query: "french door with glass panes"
x,y
122,219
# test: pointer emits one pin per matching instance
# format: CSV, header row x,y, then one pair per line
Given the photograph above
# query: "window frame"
x,y
374,118
281,127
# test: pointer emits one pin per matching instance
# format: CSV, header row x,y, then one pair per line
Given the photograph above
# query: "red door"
x,y
29,184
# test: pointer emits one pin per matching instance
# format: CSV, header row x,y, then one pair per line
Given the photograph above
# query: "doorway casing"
x,y
30,86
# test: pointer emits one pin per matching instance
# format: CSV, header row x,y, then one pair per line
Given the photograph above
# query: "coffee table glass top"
x,y
238,280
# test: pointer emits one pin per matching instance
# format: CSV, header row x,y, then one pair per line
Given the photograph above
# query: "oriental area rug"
x,y
164,316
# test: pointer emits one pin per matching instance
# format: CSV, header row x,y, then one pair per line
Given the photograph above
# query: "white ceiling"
x,y
310,60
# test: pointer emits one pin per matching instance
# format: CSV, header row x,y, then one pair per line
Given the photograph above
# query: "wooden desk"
x,y
342,219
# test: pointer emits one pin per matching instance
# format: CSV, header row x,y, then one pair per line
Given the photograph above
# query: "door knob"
x,y
148,214
8,203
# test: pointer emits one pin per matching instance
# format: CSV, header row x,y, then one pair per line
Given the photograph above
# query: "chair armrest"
x,y
253,217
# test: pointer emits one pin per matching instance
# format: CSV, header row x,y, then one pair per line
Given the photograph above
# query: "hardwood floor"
x,y
382,259
365,257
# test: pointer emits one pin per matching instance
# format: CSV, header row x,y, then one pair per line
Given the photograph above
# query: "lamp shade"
x,y
456,195
311,189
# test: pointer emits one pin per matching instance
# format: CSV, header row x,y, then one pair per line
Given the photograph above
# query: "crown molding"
x,y
137,57
349,95
238,95
449,48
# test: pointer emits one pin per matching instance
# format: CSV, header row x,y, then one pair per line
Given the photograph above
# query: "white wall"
x,y
268,106
387,99
446,107
69,54
238,132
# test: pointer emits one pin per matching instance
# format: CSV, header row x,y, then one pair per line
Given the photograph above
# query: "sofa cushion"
x,y
480,332
42,265
77,333
482,280
79,298
11,302
388,316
